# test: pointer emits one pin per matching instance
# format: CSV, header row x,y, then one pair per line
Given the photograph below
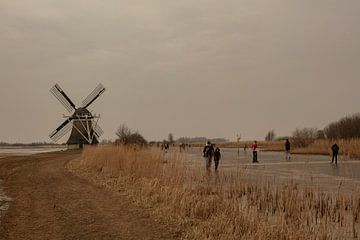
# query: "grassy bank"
x,y
219,206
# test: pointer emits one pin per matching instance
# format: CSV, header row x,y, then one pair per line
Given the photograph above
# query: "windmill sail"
x,y
93,95
97,130
59,132
62,97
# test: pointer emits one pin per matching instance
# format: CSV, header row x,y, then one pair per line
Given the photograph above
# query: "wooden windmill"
x,y
82,123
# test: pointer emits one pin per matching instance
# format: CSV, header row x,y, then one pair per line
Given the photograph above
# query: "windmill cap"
x,y
82,111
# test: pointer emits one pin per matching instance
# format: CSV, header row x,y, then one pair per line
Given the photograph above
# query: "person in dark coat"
x,y
217,156
166,147
335,151
287,149
208,153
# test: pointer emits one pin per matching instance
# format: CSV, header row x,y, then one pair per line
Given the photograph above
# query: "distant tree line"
x,y
27,144
106,141
199,139
347,127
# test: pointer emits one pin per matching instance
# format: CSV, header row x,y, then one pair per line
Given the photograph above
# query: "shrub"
x,y
304,137
270,136
127,136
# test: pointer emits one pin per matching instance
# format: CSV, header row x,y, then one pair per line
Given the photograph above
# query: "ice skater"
x,y
217,157
254,149
208,153
335,151
287,150
166,147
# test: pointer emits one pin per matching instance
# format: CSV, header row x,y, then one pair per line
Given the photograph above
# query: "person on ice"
x,y
254,149
166,147
208,153
217,156
335,151
287,149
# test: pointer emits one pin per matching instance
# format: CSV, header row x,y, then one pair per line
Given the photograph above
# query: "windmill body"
x,y
82,131
82,123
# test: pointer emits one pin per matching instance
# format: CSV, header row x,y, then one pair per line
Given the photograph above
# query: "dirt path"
x,y
51,203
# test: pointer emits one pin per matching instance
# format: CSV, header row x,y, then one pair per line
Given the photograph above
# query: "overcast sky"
x,y
193,68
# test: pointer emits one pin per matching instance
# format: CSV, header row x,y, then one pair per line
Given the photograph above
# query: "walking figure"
x,y
208,153
182,147
254,149
166,147
217,156
287,149
335,151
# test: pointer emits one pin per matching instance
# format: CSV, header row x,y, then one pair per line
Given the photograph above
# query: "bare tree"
x,y
123,133
171,138
128,136
304,137
270,136
320,134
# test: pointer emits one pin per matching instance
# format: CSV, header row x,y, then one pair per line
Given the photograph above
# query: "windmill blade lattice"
x,y
98,131
62,97
59,132
93,95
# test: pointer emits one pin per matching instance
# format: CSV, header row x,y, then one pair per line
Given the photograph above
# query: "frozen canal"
x,y
314,171
9,151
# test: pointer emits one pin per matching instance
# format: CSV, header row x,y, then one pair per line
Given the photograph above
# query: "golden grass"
x,y
219,206
348,147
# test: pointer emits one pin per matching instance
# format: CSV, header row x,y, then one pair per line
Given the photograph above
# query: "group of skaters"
x,y
334,148
211,152
184,146
335,151
165,147
254,148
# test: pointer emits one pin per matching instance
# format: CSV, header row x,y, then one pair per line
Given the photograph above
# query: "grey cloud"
x,y
203,67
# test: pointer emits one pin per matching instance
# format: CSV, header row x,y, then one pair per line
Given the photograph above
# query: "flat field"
x,y
111,192
305,198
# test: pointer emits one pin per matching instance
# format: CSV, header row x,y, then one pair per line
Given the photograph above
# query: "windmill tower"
x,y
82,123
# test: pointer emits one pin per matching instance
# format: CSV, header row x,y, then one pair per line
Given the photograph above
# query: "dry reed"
x,y
348,147
219,206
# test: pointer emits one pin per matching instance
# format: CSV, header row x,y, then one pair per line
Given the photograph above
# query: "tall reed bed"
x,y
220,205
348,147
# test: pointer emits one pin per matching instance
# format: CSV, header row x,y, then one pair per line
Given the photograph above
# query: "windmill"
x,y
82,123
